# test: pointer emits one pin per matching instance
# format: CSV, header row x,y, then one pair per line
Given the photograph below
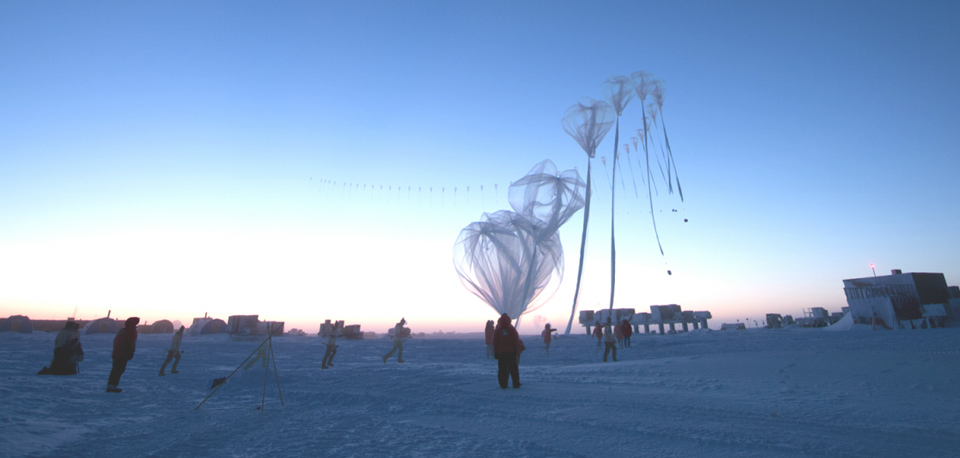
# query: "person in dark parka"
x,y
488,338
610,341
547,335
506,349
627,332
598,333
67,352
124,345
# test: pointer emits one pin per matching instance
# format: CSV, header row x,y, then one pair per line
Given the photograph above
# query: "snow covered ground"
x,y
755,393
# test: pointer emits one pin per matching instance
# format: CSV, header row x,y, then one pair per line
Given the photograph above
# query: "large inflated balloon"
x,y
500,261
513,261
547,197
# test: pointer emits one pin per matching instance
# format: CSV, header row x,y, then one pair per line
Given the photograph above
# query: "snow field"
x,y
755,393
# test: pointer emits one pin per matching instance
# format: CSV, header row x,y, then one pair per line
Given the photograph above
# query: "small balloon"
x,y
669,273
684,220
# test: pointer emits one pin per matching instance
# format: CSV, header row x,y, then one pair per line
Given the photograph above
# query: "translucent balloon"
x,y
500,260
513,261
641,84
618,90
546,197
588,122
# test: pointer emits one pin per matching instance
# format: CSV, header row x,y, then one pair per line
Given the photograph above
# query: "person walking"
x,y
547,335
331,349
610,342
618,331
627,332
173,353
67,352
506,349
488,336
397,342
598,333
124,346
261,356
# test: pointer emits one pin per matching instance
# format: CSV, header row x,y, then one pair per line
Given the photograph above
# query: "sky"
x,y
171,159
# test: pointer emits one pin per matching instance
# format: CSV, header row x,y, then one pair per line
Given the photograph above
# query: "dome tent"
x,y
102,326
214,326
162,327
17,323
202,326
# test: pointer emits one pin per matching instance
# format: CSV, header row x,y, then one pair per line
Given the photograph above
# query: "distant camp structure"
x,y
250,325
158,327
17,323
337,328
109,325
817,317
22,323
896,301
777,321
886,301
105,325
207,325
660,315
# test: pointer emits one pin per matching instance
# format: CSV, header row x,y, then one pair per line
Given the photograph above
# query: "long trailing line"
x,y
377,192
613,242
583,246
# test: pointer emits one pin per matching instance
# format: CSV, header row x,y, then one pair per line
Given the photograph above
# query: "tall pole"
x,y
613,242
266,367
583,246
276,374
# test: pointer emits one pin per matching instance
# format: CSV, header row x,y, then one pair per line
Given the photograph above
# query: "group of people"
x,y
68,352
502,340
504,344
612,336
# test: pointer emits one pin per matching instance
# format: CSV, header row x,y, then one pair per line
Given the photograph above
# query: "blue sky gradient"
x,y
166,159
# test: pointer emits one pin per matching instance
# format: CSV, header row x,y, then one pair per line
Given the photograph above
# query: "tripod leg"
x,y
266,367
231,374
275,373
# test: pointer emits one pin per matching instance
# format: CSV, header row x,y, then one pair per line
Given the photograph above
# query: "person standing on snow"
x,y
261,356
618,331
67,351
506,349
598,333
488,336
627,332
609,341
124,345
173,353
331,349
547,335
397,342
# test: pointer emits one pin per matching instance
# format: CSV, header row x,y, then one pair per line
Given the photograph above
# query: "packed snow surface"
x,y
755,393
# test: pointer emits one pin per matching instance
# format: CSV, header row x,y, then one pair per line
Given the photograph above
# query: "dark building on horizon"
x,y
889,299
